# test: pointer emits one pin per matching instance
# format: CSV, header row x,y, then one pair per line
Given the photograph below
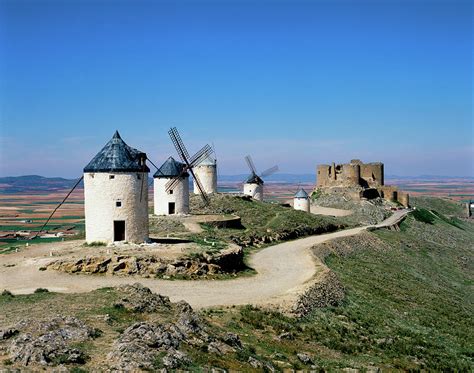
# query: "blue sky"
x,y
291,82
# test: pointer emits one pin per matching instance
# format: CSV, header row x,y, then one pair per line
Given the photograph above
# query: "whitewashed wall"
x,y
180,196
301,204
207,175
101,194
254,190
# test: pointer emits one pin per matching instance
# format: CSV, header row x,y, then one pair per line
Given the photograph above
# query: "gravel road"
x,y
282,270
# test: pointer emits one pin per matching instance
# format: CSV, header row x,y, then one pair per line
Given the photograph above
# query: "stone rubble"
x,y
49,342
146,265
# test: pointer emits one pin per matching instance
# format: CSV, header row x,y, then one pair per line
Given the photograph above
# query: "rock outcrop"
x,y
48,342
202,265
152,345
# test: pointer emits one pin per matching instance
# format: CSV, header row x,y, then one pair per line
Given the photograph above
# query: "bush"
x,y
95,244
7,293
424,216
41,290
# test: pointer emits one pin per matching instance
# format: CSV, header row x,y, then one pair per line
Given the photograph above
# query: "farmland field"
x,y
26,209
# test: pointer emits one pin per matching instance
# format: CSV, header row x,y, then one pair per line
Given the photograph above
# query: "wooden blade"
x,y
269,172
179,145
202,154
250,163
173,182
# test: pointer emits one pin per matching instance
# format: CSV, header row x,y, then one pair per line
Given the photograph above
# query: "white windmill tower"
x,y
253,186
206,171
174,200
301,201
116,194
189,164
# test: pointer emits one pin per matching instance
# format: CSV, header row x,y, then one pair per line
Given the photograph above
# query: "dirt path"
x,y
281,271
319,210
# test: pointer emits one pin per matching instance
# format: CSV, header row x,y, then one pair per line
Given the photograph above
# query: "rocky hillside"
x,y
366,212
391,301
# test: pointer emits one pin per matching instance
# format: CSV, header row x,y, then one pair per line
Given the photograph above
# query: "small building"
x,y
176,199
206,172
301,201
253,187
116,194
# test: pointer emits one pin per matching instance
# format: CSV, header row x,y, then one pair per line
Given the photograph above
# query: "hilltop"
x,y
406,304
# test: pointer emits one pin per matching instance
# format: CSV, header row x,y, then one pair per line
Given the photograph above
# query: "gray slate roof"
x,y
254,179
117,156
301,194
171,168
208,161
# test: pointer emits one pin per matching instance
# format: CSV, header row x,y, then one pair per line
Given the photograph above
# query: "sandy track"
x,y
282,271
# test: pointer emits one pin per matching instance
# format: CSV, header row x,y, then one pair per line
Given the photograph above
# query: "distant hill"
x,y
282,178
33,183
36,183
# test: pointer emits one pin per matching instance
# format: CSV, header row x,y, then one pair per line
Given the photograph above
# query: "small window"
x,y
118,203
91,176
139,176
111,176
170,191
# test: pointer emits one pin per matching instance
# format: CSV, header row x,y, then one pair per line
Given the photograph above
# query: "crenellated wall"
x,y
355,173
368,177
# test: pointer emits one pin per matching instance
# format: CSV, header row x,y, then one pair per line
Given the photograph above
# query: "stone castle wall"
x,y
361,180
351,174
103,191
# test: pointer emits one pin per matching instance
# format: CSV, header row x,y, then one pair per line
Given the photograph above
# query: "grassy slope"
x,y
260,218
409,305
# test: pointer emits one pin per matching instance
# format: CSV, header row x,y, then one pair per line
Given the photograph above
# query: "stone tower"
x,y
253,187
206,171
301,201
116,194
175,200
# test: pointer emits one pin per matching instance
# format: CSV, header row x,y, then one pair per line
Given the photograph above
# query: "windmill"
x,y
253,186
301,200
188,163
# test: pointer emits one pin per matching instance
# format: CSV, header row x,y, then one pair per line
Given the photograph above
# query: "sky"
x,y
293,83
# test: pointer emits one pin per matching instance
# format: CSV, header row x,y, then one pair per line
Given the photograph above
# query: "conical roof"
x,y
208,161
117,156
254,179
171,168
301,194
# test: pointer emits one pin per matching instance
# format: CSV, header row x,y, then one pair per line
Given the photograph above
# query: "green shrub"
x,y
41,290
7,293
424,216
95,244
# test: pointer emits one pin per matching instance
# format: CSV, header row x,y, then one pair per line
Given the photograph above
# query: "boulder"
x,y
138,298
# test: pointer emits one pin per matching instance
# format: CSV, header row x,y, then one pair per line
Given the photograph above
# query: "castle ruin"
x,y
360,180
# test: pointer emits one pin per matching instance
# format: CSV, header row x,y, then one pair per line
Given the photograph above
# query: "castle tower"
x,y
116,194
253,187
206,171
175,200
301,201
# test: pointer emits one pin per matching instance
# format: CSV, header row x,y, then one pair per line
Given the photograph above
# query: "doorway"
x,y
171,208
119,230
